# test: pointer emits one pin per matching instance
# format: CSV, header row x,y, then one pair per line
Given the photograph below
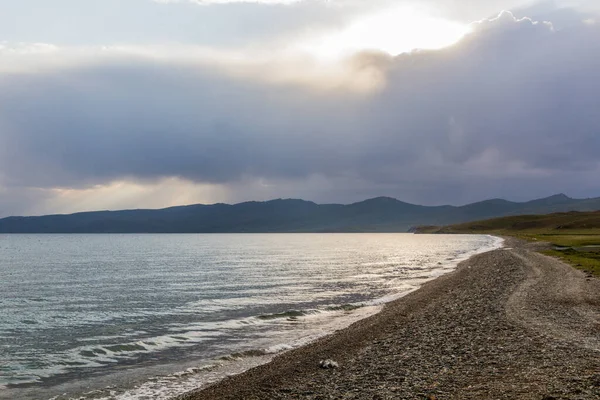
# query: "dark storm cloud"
x,y
151,121
511,110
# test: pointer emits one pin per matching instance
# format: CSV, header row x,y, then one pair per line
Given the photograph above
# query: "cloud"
x,y
215,23
146,22
509,111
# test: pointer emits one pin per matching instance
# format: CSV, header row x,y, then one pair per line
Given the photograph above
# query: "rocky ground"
x,y
508,324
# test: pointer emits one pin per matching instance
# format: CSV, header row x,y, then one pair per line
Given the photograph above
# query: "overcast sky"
x,y
110,104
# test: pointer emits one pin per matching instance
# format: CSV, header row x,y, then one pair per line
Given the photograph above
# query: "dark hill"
x,y
382,214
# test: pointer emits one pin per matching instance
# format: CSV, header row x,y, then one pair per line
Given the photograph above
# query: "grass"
x,y
585,261
574,254
575,240
572,231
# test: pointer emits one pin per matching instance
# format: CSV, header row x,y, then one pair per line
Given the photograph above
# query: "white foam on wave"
x,y
318,325
167,387
100,355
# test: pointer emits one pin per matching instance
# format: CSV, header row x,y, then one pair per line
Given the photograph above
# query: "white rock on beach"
x,y
328,364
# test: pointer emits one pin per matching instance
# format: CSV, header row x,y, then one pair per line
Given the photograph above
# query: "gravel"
x,y
510,323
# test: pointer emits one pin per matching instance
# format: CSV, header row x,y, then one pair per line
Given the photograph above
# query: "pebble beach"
x,y
510,323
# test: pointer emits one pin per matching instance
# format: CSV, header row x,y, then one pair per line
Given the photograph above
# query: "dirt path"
x,y
507,324
557,300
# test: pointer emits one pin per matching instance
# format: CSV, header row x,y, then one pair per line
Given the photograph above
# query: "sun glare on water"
x,y
393,31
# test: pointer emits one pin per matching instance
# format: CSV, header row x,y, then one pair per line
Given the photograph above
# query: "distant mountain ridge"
x,y
380,214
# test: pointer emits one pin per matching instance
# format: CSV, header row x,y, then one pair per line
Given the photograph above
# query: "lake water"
x,y
150,316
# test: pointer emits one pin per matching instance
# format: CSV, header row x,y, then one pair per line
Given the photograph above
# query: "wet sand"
x,y
510,323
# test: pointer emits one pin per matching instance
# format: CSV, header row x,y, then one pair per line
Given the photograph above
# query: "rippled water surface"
x,y
74,307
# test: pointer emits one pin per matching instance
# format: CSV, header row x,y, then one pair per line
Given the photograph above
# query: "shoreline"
x,y
138,381
508,323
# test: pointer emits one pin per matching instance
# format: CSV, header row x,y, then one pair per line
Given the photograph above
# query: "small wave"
x,y
345,307
38,300
129,347
74,363
112,337
180,338
244,354
291,314
92,353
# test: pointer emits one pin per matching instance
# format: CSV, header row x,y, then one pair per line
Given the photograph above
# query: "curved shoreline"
x,y
509,323
174,376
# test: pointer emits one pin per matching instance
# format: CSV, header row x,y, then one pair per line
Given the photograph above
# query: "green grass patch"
x,y
575,255
575,240
585,261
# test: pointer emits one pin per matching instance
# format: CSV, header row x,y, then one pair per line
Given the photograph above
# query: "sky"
x,y
115,104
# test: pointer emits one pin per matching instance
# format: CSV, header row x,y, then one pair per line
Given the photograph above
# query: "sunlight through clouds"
x,y
122,194
393,31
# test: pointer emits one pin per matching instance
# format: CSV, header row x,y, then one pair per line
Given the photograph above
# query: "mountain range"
x,y
381,214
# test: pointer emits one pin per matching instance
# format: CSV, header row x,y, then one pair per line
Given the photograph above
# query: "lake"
x,y
150,316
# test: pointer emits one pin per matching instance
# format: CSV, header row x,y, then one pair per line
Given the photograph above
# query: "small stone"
x,y
328,364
